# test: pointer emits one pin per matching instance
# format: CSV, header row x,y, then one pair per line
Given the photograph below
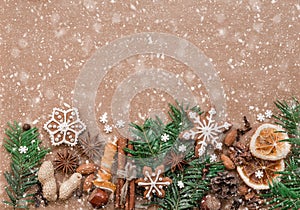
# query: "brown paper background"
x,y
252,44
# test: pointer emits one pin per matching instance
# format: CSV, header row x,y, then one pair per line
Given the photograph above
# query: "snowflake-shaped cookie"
x,y
205,132
153,182
64,126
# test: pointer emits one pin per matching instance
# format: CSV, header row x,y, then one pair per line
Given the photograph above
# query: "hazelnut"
x,y
227,162
98,198
230,137
86,168
88,183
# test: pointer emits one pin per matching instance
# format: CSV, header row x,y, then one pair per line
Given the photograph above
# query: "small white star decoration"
x,y
103,118
206,131
260,117
259,174
213,158
267,115
120,124
165,137
64,126
182,148
180,184
23,149
109,128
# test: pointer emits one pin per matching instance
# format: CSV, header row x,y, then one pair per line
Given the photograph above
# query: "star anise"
x,y
66,162
91,147
175,160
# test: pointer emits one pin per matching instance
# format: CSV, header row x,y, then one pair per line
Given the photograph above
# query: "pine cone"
x,y
254,203
224,185
240,154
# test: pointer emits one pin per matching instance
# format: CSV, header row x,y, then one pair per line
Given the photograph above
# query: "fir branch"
x,y
289,118
196,179
24,164
148,149
286,193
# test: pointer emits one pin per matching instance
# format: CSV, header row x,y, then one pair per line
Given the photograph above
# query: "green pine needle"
x,y
196,185
286,193
150,150
147,137
24,166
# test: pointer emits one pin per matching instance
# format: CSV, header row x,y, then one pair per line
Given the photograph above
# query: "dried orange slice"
x,y
265,143
258,173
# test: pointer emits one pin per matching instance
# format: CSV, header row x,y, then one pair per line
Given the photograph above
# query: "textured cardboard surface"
x,y
130,58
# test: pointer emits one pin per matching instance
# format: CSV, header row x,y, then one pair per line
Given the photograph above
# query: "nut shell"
x,y
88,183
50,190
227,162
98,198
230,137
68,187
46,172
86,168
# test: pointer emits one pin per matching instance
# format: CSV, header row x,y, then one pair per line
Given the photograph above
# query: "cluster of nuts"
x,y
238,152
228,141
48,181
85,172
98,197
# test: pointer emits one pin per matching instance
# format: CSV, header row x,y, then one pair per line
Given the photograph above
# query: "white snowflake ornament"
x,y
260,117
107,129
180,184
64,126
103,118
259,174
23,149
165,137
205,131
268,113
213,158
120,124
182,148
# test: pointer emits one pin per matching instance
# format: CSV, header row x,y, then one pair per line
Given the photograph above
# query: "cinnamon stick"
x,y
130,201
122,143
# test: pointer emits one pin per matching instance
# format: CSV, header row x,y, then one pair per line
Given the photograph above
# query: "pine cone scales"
x,y
224,185
240,154
254,203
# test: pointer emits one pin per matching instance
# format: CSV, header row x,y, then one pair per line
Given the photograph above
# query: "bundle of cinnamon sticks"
x,y
130,196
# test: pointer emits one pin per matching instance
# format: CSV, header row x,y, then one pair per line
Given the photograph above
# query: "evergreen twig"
x,y
196,179
286,193
24,164
149,150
